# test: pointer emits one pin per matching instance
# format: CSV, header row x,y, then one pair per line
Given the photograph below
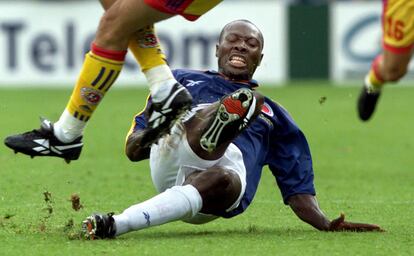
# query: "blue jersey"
x,y
272,139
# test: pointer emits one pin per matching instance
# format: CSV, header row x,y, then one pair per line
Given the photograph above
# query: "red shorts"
x,y
189,9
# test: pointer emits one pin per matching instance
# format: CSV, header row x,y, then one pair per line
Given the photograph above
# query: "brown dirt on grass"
x,y
76,204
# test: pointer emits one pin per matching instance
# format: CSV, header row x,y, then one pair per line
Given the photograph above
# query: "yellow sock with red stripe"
x,y
374,80
100,70
146,49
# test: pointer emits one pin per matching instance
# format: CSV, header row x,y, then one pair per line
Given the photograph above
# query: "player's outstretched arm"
x,y
133,148
306,207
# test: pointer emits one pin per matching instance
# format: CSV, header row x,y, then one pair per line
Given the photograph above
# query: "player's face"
x,y
240,51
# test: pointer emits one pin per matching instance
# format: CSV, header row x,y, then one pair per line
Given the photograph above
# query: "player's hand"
x,y
339,224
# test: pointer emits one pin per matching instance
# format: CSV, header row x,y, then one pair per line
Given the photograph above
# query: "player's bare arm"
x,y
133,148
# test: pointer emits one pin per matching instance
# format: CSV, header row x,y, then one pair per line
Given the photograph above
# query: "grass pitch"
x,y
362,169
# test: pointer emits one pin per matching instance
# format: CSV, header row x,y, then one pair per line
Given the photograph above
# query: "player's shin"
x,y
100,70
374,81
176,203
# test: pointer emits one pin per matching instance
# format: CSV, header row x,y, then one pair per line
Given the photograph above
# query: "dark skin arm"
x,y
307,209
133,149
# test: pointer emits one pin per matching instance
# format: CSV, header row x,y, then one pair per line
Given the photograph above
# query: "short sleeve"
x,y
290,162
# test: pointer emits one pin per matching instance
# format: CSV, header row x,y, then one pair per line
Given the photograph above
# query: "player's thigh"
x,y
172,159
231,161
130,15
189,9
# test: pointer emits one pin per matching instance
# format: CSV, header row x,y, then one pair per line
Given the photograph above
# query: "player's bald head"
x,y
245,23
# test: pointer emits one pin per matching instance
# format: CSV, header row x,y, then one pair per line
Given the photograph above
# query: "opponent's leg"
x,y
63,139
371,90
100,70
43,142
398,43
169,99
388,67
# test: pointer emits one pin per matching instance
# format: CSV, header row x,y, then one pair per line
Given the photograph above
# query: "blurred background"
x,y
42,42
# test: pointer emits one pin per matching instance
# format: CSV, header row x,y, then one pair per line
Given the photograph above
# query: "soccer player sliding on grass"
x,y
211,163
125,24
392,64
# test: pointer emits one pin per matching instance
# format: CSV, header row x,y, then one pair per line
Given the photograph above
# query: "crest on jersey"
x,y
266,109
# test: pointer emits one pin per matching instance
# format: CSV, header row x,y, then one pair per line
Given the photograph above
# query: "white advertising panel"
x,y
44,43
356,38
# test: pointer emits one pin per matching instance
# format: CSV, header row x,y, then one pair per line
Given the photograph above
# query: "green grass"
x,y
362,169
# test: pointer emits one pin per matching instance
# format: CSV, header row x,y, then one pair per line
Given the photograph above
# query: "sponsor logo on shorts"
x,y
91,96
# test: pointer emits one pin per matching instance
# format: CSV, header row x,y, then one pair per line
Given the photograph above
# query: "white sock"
x,y
68,128
173,204
160,80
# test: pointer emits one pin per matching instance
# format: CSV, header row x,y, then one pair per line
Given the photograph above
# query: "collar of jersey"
x,y
252,83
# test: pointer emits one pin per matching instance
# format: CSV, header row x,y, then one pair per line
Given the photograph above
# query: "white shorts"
x,y
172,160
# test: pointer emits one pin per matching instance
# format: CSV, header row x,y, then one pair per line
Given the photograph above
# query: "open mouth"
x,y
237,61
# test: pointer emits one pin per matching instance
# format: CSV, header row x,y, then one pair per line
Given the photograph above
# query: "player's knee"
x,y
219,188
223,179
217,179
394,73
106,32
